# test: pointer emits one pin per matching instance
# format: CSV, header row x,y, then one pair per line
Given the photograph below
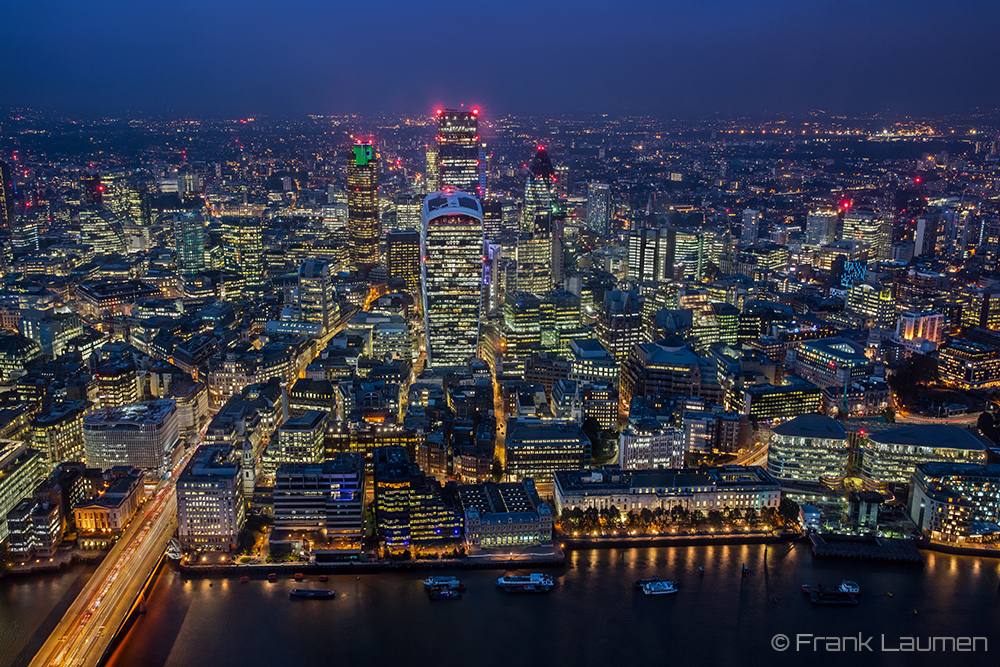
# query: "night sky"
x,y
667,58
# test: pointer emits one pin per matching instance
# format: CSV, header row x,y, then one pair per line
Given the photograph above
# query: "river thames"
x,y
594,615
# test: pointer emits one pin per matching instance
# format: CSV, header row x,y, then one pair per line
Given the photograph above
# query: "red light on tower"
x,y
845,205
439,111
917,180
100,188
541,148
475,112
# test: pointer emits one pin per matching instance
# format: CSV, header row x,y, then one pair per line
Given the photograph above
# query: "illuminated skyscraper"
x,y
484,169
189,240
100,230
492,218
317,298
243,250
651,254
452,249
409,205
821,228
6,196
362,207
93,191
751,227
873,229
432,182
539,189
458,149
599,208
402,256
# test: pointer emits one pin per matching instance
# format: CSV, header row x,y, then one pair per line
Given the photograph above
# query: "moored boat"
x,y
661,587
640,582
442,582
847,586
532,583
311,593
444,594
838,598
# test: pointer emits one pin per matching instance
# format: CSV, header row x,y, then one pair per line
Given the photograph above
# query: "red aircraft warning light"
x,y
439,111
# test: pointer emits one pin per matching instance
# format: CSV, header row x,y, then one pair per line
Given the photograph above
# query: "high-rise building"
x,y
619,324
452,251
492,219
539,189
317,298
809,450
6,196
100,230
93,191
484,169
21,469
691,250
243,250
408,208
402,254
362,207
300,439
651,254
751,227
458,149
189,240
599,208
432,181
821,228
872,228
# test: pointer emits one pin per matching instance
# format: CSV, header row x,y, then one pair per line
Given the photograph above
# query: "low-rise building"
x,y
702,489
102,518
322,504
21,469
890,457
969,365
504,516
647,443
142,435
211,506
956,502
536,449
810,450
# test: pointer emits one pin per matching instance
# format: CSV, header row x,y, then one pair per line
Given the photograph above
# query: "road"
x,y
90,623
753,458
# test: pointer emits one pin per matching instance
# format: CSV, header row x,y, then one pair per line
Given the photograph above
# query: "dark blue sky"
x,y
669,58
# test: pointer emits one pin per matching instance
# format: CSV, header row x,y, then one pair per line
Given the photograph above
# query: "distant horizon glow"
x,y
663,59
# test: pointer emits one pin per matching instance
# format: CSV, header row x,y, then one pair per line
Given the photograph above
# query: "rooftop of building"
x,y
539,431
940,436
942,469
148,412
451,201
310,420
613,478
812,426
841,348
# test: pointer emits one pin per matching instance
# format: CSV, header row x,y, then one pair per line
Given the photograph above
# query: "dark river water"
x,y
594,615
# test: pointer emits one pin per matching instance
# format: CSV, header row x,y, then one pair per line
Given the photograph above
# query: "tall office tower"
x,y
408,208
484,169
925,238
402,256
651,254
6,196
535,258
821,228
93,190
692,251
751,227
432,181
317,298
491,278
873,229
492,219
100,230
599,208
243,250
452,250
362,207
189,239
125,199
539,189
458,149
522,324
